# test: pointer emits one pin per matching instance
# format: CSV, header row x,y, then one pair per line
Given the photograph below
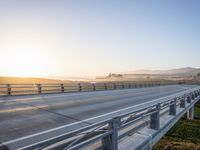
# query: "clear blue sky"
x,y
95,37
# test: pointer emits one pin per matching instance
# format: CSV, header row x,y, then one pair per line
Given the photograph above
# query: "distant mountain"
x,y
186,70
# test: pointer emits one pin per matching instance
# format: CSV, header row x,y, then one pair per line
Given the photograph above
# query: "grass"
x,y
185,135
22,80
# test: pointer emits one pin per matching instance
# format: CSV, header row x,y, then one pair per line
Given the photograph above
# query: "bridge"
x,y
130,117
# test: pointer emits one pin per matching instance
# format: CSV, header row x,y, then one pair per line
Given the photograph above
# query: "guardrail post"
x,y
172,107
39,88
129,86
123,86
105,86
114,86
155,118
79,87
188,99
111,142
192,94
62,88
8,89
182,102
94,87
196,94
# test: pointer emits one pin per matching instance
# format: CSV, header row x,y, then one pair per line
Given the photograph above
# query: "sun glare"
x,y
24,63
28,62
26,55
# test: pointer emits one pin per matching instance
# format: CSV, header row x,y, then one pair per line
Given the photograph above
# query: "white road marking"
x,y
89,119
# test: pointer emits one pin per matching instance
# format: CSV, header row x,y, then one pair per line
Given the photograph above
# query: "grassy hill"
x,y
19,80
185,135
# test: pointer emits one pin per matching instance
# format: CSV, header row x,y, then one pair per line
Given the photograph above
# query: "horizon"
x,y
85,78
95,38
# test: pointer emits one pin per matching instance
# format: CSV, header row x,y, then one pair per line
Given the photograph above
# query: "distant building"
x,y
109,76
114,75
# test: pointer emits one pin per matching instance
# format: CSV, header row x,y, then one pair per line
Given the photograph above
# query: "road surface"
x,y
40,117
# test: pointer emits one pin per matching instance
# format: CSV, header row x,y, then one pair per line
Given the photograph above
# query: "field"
x,y
185,135
20,80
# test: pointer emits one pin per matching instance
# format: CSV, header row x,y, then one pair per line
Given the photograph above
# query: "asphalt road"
x,y
40,117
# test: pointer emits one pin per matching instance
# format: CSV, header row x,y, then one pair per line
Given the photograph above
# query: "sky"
x,y
96,37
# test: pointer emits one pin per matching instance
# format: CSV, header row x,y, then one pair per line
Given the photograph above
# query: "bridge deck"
x,y
50,115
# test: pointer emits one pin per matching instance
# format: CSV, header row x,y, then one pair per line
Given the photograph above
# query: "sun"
x,y
26,62
26,55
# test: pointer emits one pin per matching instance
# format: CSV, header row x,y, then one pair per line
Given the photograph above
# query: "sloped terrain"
x,y
185,135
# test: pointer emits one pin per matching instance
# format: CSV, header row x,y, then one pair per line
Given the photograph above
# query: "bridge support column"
x,y
155,118
190,113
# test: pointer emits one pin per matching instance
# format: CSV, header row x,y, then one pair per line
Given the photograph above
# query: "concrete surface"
x,y
28,119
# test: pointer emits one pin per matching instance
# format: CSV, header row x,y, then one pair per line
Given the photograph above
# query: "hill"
x,y
186,70
187,73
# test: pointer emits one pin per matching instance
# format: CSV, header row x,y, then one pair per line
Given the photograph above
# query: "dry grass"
x,y
185,135
18,80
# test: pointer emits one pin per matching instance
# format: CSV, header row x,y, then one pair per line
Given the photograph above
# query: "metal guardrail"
x,y
108,131
23,89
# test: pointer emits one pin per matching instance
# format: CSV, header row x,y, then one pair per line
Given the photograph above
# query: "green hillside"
x,y
185,135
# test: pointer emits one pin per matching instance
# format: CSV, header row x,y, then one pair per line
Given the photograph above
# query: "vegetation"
x,y
185,135
22,80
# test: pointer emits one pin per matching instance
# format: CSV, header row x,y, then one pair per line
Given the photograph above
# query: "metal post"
x,y
105,86
110,142
122,86
8,89
190,113
188,99
39,88
129,85
192,94
114,86
94,87
172,107
155,118
196,94
182,102
62,88
79,87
